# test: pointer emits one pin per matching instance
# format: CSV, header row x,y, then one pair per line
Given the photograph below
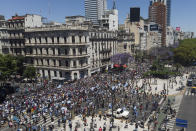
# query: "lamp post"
x,y
113,91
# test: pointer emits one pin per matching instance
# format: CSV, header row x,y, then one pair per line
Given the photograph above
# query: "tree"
x,y
20,64
185,53
7,66
29,72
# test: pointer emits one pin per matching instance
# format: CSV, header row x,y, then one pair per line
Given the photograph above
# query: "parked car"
x,y
120,113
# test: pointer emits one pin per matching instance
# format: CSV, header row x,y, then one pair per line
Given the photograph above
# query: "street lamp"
x,y
113,91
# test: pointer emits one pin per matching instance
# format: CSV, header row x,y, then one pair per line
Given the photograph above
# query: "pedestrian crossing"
x,y
172,119
48,122
188,93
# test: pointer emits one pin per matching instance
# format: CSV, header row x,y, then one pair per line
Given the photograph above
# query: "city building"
x,y
125,42
4,42
70,52
168,5
94,10
170,36
135,28
16,28
75,20
158,14
153,35
110,20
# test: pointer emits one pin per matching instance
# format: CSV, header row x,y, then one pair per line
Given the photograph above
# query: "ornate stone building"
x,y
69,52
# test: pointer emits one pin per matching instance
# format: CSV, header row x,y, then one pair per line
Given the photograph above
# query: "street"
x,y
187,111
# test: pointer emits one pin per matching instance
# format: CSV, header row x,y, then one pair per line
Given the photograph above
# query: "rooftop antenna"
x,y
114,5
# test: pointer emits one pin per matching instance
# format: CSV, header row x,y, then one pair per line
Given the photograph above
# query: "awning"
x,y
116,65
125,66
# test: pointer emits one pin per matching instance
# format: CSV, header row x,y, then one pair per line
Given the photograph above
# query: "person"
x,y
100,129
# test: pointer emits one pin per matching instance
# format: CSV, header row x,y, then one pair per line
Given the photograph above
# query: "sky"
x,y
183,12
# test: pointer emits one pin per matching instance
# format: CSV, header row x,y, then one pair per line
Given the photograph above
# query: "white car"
x,y
125,114
120,113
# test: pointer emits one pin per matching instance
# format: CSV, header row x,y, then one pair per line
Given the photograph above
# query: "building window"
x,y
73,39
42,62
54,61
66,52
85,39
60,73
74,51
57,39
46,39
53,51
48,62
30,40
66,63
65,40
52,39
80,39
40,40
59,62
47,51
59,52
41,51
74,63
81,62
80,50
125,46
55,75
35,40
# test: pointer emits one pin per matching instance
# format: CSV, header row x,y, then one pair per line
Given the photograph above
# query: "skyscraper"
x,y
168,12
157,14
94,9
168,6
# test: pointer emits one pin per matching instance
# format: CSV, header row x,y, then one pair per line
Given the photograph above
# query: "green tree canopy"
x,y
185,53
30,72
7,66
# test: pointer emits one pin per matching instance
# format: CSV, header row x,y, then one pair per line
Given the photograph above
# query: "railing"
x,y
58,56
62,67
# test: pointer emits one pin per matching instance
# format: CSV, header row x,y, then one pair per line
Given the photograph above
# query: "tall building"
x,y
158,14
94,9
168,6
168,12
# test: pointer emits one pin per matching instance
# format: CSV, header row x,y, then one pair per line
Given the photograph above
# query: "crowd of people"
x,y
86,97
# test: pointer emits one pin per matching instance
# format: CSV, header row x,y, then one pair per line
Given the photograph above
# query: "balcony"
x,y
105,51
57,44
63,68
58,56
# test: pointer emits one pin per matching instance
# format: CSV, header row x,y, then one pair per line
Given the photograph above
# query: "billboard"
x,y
177,28
154,27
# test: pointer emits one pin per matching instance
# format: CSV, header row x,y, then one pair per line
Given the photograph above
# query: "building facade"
x,y
69,52
110,20
4,41
170,36
16,29
125,42
158,14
